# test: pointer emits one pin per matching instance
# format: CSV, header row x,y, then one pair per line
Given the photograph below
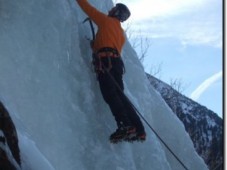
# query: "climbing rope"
x,y
148,124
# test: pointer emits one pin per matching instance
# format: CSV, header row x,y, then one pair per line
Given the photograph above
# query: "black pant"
x,y
111,86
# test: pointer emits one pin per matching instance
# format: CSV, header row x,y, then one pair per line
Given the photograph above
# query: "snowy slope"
x,y
203,125
48,87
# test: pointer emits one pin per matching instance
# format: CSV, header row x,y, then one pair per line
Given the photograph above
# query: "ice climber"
x,y
107,48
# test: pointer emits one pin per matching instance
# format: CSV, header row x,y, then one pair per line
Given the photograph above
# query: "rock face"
x,y
9,150
203,126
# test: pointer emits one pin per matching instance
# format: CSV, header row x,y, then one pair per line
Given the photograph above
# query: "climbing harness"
x,y
106,53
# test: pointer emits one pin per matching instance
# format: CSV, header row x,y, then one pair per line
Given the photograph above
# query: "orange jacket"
x,y
110,33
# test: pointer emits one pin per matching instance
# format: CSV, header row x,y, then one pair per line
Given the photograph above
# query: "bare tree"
x,y
178,85
141,44
144,46
138,41
155,70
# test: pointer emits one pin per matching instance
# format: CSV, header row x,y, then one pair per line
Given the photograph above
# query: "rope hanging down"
x,y
127,99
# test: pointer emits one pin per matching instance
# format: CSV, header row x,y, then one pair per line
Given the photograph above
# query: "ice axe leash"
x,y
92,27
94,58
127,99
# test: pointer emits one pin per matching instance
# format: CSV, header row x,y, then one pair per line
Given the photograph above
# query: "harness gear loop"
x,y
109,64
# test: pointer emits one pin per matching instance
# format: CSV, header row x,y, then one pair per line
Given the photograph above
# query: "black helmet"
x,y
122,12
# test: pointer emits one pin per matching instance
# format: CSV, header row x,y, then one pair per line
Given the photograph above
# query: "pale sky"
x,y
186,37
192,21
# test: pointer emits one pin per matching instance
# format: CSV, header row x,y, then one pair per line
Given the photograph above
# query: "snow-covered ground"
x,y
47,85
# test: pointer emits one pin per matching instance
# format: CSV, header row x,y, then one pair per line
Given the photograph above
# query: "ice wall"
x,y
47,84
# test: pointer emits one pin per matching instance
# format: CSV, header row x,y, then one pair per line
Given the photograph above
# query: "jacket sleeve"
x,y
92,12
